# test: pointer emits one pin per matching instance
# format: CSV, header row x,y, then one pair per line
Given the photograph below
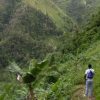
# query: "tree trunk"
x,y
31,95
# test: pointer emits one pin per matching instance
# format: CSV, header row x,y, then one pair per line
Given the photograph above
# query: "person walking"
x,y
89,74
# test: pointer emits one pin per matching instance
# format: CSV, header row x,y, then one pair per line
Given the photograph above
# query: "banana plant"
x,y
29,77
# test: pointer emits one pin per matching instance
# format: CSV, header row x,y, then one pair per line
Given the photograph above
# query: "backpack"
x,y
90,74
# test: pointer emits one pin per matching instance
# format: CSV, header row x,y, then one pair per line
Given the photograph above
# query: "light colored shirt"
x,y
87,71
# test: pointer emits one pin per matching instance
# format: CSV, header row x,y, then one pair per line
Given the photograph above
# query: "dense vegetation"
x,y
50,43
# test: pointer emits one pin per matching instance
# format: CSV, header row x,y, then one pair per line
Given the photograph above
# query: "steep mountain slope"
x,y
79,10
28,27
62,21
25,34
40,23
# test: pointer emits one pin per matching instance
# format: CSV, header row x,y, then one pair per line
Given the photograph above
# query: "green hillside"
x,y
79,10
26,26
50,43
57,15
36,22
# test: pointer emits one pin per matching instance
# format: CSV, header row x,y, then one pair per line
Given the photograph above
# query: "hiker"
x,y
89,74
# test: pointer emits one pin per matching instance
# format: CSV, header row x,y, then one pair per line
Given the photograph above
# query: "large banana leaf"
x,y
14,68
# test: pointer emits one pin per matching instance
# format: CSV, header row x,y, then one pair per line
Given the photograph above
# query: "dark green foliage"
x,y
52,78
42,64
51,60
28,78
7,12
25,36
95,21
38,25
38,67
91,33
15,48
36,71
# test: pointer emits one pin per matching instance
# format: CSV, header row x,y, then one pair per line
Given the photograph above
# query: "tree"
x,y
29,77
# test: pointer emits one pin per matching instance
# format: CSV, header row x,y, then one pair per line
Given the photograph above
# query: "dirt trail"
x,y
79,93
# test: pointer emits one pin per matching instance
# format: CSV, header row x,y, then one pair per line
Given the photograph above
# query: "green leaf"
x,y
28,78
14,68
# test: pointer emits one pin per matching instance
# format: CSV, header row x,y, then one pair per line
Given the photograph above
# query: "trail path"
x,y
79,93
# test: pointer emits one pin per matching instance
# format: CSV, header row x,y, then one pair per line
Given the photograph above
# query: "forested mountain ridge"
x,y
27,25
62,20
32,24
